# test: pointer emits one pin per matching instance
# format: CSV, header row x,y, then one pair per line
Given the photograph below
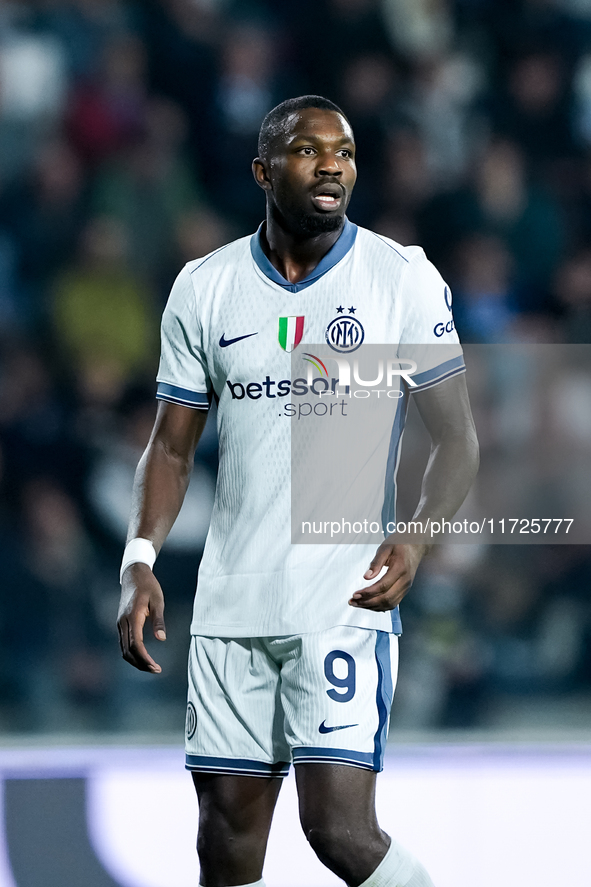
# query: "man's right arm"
x,y
161,481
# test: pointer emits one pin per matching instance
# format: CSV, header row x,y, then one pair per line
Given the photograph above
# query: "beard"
x,y
313,224
301,222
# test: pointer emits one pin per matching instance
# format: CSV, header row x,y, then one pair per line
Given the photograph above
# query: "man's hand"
x,y
141,598
402,562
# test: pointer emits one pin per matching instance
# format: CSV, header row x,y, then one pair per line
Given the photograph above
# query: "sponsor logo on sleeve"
x,y
440,328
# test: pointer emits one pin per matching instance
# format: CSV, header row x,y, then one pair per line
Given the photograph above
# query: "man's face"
x,y
310,171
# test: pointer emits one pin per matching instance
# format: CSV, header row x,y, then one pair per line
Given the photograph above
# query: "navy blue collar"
x,y
337,251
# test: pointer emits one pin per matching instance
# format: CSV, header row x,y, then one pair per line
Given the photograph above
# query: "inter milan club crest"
x,y
191,721
345,333
291,330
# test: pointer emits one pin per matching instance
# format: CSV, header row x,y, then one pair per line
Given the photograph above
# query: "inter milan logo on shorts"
x,y
345,334
191,723
291,330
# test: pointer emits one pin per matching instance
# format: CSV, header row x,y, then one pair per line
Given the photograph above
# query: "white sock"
x,y
398,868
260,883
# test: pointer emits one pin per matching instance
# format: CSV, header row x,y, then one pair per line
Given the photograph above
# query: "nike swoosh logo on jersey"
x,y
324,729
225,342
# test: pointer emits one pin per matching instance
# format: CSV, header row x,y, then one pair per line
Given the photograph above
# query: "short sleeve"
x,y
182,375
429,337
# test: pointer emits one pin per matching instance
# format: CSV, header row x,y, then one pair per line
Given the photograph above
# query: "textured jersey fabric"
x,y
227,332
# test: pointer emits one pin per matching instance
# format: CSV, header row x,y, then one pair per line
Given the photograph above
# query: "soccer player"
x,y
293,654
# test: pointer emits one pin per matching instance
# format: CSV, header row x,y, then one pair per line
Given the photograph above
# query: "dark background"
x,y
126,135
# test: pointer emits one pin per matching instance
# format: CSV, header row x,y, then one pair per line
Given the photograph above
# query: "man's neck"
x,y
295,257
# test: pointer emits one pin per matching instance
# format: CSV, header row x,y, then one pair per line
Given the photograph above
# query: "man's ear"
x,y
259,171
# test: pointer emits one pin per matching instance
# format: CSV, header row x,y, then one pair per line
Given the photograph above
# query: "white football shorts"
x,y
256,704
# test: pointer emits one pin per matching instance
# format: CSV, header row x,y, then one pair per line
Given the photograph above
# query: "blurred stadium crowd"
x,y
126,135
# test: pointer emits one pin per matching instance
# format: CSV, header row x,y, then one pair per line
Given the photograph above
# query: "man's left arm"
x,y
452,466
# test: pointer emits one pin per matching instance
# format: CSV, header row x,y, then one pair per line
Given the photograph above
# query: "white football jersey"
x,y
228,331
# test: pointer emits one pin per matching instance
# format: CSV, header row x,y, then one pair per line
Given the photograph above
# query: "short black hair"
x,y
273,122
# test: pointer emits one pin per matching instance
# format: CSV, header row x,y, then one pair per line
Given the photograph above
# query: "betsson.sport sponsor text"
x,y
321,386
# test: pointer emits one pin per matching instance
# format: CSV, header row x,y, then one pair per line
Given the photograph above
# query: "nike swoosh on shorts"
x,y
324,729
225,342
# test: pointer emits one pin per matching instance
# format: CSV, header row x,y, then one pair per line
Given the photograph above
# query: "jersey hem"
x,y
439,373
225,631
438,380
183,403
185,396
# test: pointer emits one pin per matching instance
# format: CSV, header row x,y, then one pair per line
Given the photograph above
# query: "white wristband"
x,y
137,551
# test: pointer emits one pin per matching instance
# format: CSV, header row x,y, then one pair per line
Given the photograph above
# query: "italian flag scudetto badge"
x,y
291,330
